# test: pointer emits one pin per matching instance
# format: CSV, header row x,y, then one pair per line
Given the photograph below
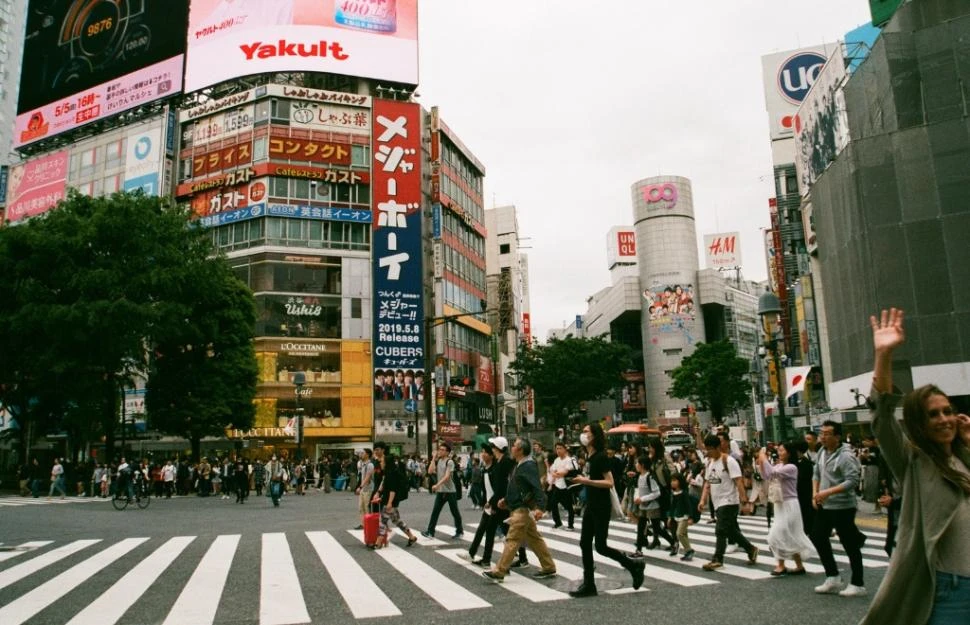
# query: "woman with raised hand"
x,y
786,538
928,580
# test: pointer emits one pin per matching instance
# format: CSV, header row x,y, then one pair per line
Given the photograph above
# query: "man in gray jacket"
x,y
526,501
834,497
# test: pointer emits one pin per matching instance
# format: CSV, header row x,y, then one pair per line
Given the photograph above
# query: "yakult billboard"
x,y
370,38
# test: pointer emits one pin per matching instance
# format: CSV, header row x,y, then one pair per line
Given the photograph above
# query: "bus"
x,y
677,439
630,433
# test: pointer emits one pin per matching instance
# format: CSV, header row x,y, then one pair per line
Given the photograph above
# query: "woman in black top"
x,y
596,516
392,491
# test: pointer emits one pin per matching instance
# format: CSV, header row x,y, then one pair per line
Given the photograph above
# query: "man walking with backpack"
x,y
444,489
725,487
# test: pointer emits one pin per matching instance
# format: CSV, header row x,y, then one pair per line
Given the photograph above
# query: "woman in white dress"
x,y
787,538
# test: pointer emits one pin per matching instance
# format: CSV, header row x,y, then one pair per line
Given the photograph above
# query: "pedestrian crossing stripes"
x,y
16,501
100,581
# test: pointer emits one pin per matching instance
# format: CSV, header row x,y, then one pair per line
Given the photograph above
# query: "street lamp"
x,y
769,307
299,379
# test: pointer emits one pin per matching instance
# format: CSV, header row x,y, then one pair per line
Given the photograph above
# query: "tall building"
x,y
509,316
13,15
311,172
465,376
889,209
663,215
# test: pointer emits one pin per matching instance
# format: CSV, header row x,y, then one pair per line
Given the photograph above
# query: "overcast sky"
x,y
568,103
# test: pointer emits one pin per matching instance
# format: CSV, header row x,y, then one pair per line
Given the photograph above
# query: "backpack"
x,y
401,494
456,478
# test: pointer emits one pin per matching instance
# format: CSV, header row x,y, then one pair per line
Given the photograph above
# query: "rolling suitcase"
x,y
371,522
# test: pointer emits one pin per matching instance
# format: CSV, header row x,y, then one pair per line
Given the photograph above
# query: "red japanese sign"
x,y
224,158
281,148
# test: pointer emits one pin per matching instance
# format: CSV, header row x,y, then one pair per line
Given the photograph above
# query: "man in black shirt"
x,y
596,516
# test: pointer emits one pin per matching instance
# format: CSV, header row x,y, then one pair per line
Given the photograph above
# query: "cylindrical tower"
x,y
663,216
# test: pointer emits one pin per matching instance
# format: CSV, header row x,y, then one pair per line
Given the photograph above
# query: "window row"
x,y
453,225
471,206
312,278
302,189
465,338
288,232
463,267
459,298
293,315
462,167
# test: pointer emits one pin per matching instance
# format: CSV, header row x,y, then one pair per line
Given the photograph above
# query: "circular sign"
x,y
797,75
257,191
142,148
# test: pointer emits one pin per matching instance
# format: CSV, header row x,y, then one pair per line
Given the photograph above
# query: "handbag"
x,y
774,491
617,513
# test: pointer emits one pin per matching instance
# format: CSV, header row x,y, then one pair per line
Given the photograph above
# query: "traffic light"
x,y
468,381
410,430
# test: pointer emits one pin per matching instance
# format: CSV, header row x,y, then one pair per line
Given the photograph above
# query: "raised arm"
x,y
887,335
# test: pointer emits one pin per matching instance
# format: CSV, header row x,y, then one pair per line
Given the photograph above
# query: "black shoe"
x,y
458,535
584,590
427,534
637,572
544,574
556,527
688,556
519,564
492,575
359,527
674,549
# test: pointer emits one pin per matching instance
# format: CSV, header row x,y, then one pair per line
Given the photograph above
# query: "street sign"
x,y
410,405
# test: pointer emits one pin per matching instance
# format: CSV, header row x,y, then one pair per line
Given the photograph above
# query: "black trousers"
x,y
486,530
843,521
727,529
439,502
659,531
564,497
596,528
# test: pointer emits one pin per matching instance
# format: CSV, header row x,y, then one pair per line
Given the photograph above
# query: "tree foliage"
x,y
713,378
565,372
89,288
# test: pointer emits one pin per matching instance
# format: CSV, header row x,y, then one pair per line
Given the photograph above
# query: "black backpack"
x,y
402,481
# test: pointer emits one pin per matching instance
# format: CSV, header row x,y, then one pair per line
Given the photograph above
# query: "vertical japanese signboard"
x,y
397,270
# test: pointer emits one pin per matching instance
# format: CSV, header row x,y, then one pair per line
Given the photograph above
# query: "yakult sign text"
x,y
396,179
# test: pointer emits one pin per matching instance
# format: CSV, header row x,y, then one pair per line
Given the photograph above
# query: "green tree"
x,y
713,378
87,289
565,372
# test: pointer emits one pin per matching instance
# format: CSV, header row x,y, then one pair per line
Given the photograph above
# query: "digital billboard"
x,y
369,38
143,160
36,186
821,123
399,331
88,59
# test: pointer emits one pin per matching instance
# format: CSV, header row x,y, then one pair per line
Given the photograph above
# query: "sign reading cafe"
x,y
396,181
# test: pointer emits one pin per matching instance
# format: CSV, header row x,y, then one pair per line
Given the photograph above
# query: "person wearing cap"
x,y
501,472
444,489
525,500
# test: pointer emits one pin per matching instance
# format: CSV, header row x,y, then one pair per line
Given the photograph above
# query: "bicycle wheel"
x,y
143,501
119,502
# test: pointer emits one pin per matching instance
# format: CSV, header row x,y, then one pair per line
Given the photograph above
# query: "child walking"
x,y
682,512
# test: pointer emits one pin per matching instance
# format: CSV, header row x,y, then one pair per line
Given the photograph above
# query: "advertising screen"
x,y
36,186
87,59
369,38
399,330
821,123
143,160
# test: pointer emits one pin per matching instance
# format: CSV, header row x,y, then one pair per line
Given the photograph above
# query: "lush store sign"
x,y
396,179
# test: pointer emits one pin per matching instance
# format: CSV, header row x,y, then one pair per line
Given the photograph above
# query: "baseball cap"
x,y
499,442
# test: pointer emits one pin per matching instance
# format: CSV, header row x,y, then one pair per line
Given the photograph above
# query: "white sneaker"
x,y
831,586
854,591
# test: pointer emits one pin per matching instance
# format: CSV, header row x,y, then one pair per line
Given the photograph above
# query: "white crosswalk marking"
x,y
26,606
199,600
111,605
518,584
280,597
202,587
447,593
16,573
361,594
23,548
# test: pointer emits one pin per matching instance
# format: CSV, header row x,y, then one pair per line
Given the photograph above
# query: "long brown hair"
x,y
916,421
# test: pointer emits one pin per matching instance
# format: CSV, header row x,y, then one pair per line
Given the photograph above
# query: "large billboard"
x,y
723,251
821,123
143,160
788,76
399,332
36,186
369,38
88,59
621,246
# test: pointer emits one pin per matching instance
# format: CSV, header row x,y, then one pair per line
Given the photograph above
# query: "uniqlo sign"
x,y
626,244
397,267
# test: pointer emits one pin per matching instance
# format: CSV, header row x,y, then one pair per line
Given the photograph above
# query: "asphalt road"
x,y
85,562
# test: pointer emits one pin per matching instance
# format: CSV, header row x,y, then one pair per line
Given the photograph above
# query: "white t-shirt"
x,y
724,492
561,465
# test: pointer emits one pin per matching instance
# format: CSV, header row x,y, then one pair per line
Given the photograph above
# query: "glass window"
x,y
280,110
262,110
363,194
359,155
274,227
278,187
294,229
300,188
260,152
316,231
356,307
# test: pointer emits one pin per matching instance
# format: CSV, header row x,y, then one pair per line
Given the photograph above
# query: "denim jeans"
x,y
440,500
952,602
